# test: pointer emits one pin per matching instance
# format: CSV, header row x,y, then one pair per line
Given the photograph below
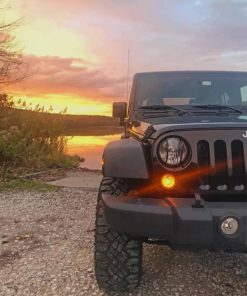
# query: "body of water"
x,y
90,148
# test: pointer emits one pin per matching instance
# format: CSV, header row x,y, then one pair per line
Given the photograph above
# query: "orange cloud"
x,y
55,75
68,82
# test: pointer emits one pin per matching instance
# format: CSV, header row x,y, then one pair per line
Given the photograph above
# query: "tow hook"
x,y
198,201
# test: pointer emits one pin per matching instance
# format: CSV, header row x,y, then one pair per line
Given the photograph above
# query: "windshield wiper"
x,y
218,107
163,108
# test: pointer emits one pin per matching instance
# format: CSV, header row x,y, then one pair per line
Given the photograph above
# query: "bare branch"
x,y
12,66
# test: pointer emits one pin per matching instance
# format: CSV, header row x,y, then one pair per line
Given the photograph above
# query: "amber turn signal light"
x,y
168,181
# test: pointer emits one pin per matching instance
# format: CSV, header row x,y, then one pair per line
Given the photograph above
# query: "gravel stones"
x,y
46,248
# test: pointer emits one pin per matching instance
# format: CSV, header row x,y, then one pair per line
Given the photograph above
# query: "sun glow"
x,y
73,105
44,38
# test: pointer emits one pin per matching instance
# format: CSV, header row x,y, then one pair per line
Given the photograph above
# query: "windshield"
x,y
192,88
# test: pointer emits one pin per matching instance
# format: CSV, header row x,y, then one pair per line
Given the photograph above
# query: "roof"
x,y
190,72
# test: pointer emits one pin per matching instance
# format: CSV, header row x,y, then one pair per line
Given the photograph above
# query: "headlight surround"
x,y
174,152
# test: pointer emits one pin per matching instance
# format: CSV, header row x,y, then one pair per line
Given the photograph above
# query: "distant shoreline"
x,y
94,131
69,124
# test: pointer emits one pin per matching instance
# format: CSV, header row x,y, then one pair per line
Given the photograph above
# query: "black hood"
x,y
239,118
162,124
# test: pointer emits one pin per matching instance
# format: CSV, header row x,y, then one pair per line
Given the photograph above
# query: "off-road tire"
x,y
117,256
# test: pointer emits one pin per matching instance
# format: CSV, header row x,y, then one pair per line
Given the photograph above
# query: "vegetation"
x,y
29,141
72,124
21,184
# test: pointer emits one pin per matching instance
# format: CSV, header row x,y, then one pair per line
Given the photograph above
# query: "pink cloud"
x,y
73,76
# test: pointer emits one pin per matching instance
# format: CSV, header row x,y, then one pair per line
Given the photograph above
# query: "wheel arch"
x,y
125,158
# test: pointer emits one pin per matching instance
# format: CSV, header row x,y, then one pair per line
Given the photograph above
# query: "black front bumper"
x,y
176,222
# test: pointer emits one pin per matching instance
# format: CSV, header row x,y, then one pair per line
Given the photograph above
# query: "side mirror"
x,y
119,110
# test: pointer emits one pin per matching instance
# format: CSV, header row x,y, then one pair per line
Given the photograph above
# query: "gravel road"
x,y
46,248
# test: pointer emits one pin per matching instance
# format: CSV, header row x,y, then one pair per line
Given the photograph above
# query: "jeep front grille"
x,y
220,156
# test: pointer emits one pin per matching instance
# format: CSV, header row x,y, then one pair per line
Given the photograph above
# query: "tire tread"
x,y
117,256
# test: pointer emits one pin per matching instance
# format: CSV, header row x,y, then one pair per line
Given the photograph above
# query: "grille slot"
x,y
221,172
238,167
203,153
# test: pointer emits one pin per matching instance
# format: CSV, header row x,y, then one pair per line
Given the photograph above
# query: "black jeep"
x,y
178,176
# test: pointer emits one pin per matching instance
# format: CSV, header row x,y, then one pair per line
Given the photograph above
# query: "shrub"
x,y
31,141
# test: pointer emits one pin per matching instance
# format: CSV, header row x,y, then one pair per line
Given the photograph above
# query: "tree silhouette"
x,y
12,66
6,101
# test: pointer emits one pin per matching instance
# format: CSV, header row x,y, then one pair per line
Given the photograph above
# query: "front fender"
x,y
125,159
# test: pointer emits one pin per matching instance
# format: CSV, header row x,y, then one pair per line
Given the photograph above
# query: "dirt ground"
x,y
46,248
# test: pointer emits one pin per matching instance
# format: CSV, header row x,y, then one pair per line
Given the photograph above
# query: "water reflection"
x,y
90,148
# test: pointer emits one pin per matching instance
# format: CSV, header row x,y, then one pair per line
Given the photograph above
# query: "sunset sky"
x,y
77,49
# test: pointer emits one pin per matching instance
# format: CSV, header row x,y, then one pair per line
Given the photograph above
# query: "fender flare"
x,y
125,158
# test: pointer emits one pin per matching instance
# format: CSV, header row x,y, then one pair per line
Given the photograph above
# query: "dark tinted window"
x,y
191,88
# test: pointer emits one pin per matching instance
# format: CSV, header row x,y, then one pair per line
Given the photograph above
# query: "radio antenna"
x,y
128,69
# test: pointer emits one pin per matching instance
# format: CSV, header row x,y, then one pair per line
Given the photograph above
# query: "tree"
x,y
12,66
6,101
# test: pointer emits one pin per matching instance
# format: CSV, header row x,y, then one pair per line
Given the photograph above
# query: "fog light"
x,y
168,181
229,226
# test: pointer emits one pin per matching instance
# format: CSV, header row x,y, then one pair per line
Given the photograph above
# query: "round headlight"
x,y
174,152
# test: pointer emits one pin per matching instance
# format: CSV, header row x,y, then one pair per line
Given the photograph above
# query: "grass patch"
x,y
21,184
